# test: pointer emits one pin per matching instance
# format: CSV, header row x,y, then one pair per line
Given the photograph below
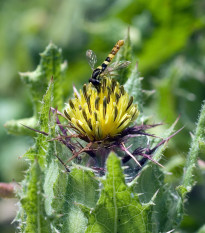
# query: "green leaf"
x,y
37,81
125,54
15,126
129,77
188,178
51,174
118,208
32,194
44,122
134,88
79,186
150,183
33,202
46,105
39,150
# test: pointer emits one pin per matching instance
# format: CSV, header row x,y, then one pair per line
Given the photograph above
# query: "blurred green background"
x,y
168,39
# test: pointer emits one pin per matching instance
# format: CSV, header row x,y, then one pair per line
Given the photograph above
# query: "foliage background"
x,y
169,45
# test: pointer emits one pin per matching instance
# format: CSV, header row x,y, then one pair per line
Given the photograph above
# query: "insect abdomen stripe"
x,y
109,58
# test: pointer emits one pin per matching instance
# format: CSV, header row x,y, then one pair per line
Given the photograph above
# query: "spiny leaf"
x,y
33,202
33,209
37,81
15,126
133,87
118,208
188,178
46,104
42,144
151,181
159,153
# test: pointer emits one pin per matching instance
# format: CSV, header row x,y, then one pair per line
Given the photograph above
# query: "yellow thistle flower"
x,y
103,112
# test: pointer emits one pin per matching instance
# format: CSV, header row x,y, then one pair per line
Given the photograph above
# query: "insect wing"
x,y
118,65
92,58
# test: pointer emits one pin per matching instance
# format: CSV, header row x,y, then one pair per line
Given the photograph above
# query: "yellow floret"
x,y
103,112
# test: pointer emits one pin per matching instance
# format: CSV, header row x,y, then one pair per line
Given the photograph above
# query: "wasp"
x,y
100,70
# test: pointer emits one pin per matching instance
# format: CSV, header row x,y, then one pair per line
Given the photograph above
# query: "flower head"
x,y
103,112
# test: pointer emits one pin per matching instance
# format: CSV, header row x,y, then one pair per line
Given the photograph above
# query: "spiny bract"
x,y
102,112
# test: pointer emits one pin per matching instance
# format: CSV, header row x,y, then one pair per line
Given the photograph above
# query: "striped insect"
x,y
101,70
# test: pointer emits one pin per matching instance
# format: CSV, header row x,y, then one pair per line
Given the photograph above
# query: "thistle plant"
x,y
97,132
100,115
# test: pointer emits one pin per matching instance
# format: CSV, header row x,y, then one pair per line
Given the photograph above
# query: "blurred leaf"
x,y
16,127
202,229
